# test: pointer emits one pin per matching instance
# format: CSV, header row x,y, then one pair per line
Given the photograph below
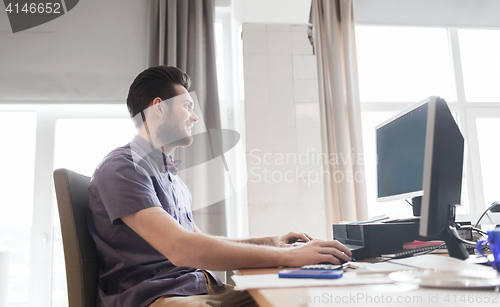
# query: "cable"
x,y
453,231
495,203
471,228
479,230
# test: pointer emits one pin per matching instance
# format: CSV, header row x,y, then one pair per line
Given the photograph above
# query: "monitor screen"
x,y
400,154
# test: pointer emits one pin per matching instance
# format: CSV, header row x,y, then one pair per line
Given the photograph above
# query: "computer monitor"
x,y
420,155
442,181
400,155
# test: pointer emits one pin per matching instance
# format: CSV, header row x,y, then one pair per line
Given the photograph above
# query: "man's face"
x,y
179,118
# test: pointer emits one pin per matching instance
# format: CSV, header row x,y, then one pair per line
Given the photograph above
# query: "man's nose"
x,y
194,118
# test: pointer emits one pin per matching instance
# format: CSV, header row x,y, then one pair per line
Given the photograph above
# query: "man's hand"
x,y
317,251
288,239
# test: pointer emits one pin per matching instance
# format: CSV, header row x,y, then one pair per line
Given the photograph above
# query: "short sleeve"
x,y
123,187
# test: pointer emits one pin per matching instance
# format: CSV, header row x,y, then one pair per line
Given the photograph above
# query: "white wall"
x,y
92,53
283,142
271,11
447,13
452,13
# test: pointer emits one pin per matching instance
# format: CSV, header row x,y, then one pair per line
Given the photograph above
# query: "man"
x,y
152,252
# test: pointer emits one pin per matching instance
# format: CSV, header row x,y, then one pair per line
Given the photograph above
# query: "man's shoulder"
x,y
118,158
117,155
123,160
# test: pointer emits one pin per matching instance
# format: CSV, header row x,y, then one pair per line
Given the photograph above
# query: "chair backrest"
x,y
80,255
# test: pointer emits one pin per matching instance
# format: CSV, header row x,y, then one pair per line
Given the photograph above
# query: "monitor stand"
x,y
456,248
454,243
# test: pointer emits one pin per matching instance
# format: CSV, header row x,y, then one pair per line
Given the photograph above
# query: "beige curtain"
x,y
335,48
181,34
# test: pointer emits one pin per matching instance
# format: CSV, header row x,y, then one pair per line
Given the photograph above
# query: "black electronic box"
x,y
374,239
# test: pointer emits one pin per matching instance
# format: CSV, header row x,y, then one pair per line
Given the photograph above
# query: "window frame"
x,y
232,117
467,113
474,113
41,240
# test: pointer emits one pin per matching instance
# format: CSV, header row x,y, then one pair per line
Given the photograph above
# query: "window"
x,y
230,81
480,51
403,64
400,66
80,144
489,147
18,130
29,225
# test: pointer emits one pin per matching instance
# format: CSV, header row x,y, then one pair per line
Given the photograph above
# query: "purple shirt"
x,y
133,273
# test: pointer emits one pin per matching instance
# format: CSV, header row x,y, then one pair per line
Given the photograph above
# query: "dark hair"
x,y
157,81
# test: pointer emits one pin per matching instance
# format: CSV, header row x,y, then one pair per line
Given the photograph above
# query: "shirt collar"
x,y
144,148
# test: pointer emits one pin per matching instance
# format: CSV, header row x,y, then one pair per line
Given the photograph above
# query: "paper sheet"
x,y
436,262
433,262
366,274
273,281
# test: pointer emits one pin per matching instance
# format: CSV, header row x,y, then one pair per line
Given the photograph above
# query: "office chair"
x,y
80,255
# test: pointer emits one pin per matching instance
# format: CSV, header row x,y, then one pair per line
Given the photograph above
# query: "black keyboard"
x,y
412,252
421,250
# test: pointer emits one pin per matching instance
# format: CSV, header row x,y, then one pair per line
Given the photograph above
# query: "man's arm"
x,y
194,249
278,241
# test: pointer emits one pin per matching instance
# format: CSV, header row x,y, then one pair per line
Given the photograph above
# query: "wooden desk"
x,y
273,297
282,297
294,297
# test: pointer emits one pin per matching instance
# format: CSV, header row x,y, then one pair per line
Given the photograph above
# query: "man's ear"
x,y
157,106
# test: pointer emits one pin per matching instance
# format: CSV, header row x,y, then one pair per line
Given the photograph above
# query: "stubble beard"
x,y
173,136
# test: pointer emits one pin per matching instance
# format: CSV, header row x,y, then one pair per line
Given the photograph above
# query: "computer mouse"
x,y
342,261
